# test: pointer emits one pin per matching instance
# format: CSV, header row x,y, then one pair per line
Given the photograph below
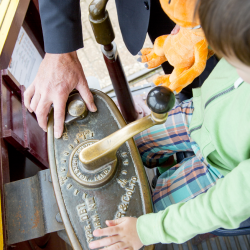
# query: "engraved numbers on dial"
x,y
76,141
124,172
62,180
125,160
124,154
88,178
84,134
125,163
125,199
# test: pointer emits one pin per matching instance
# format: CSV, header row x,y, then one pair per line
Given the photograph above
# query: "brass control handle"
x,y
100,22
160,100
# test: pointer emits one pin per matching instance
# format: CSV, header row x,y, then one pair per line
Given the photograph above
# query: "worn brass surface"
x,y
159,118
90,179
126,193
104,151
76,108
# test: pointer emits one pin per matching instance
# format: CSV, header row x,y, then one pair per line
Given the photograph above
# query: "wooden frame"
x,y
17,126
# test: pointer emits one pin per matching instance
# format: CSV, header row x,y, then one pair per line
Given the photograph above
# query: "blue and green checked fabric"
x,y
187,179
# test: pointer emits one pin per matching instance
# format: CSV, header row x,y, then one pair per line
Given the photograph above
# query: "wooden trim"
x,y
4,174
13,32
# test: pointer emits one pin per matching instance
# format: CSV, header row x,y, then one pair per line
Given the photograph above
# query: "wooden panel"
x,y
20,127
17,126
36,138
4,173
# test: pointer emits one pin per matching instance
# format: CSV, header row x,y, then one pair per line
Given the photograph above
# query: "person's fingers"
x,y
104,242
117,246
59,116
87,96
112,223
108,231
35,100
28,94
42,111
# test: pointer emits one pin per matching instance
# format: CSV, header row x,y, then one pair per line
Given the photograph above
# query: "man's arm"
x,y
61,24
60,71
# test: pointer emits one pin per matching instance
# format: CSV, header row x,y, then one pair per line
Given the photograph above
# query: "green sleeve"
x,y
224,205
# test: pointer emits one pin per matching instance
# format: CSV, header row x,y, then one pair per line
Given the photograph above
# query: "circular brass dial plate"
x,y
87,178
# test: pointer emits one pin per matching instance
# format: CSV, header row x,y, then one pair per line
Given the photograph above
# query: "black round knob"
x,y
160,100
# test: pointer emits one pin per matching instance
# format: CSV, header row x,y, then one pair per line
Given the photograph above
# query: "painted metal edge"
x,y
52,162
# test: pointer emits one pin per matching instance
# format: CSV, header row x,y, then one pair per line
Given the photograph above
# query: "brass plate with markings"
x,y
89,179
83,203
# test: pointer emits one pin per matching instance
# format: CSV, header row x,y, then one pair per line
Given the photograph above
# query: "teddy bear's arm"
x,y
154,57
151,58
187,77
165,79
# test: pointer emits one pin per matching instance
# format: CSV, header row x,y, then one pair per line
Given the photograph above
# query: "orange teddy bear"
x,y
186,51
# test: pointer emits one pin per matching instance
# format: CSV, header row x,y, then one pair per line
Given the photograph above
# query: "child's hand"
x,y
122,234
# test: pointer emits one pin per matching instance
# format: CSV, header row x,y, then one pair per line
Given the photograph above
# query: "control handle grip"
x,y
160,100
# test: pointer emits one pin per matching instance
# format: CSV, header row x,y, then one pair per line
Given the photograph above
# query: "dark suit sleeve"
x,y
61,24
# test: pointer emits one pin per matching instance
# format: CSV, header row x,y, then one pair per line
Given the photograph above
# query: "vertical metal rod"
x,y
104,34
119,82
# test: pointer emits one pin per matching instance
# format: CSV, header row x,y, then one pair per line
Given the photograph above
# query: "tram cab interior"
x,y
32,213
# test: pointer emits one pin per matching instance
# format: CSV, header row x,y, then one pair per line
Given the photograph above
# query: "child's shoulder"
x,y
224,71
222,77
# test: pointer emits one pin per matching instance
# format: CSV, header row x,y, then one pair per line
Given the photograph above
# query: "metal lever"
x,y
100,22
160,100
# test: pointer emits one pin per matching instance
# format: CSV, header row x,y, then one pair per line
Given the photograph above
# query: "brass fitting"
x,y
160,100
100,22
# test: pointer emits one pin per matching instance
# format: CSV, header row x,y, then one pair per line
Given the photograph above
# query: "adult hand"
x,y
57,76
121,234
175,30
